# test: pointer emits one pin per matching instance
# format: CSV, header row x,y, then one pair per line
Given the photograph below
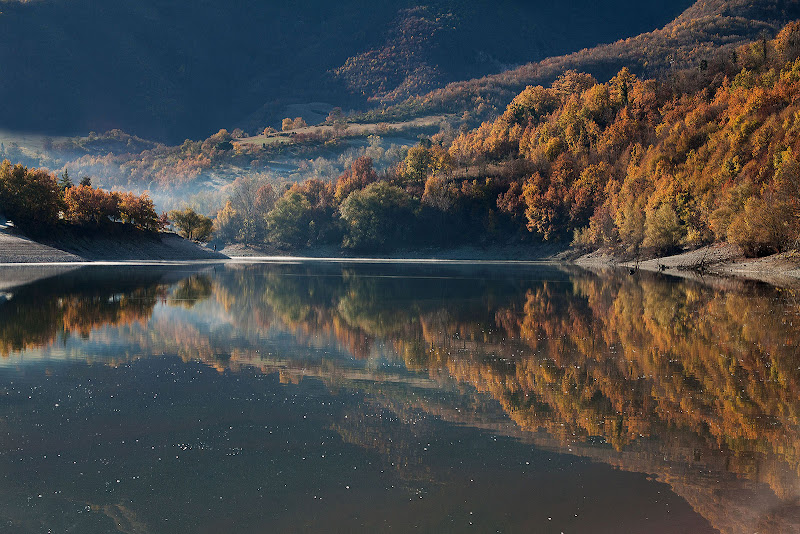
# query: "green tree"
x,y
191,224
289,221
65,182
377,217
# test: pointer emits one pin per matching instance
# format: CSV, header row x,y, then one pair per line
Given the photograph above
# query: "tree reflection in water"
x,y
696,383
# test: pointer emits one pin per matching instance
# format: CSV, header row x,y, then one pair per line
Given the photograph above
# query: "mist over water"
x,y
310,396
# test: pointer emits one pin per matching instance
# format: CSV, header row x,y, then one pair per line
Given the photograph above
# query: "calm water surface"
x,y
334,397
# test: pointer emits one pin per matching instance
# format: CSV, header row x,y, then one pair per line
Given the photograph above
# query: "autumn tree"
x,y
88,206
226,223
573,83
547,199
31,198
335,115
662,229
360,174
425,160
219,141
140,212
293,124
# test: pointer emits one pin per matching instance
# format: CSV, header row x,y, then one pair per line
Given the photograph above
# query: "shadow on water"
x,y
373,396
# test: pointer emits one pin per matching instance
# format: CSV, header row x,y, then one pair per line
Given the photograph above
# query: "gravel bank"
x,y
15,249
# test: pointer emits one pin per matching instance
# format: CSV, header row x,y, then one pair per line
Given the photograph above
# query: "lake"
x,y
314,396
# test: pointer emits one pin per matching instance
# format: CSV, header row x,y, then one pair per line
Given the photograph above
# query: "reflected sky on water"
x,y
326,396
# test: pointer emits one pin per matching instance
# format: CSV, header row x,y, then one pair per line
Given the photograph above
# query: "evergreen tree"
x,y
65,182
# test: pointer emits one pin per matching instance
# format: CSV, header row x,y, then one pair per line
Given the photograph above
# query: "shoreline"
x,y
718,260
77,248
721,260
504,253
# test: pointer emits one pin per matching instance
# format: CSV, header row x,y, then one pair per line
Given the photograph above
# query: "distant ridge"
x,y
703,32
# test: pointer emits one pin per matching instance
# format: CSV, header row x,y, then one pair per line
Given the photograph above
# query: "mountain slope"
x,y
707,30
171,69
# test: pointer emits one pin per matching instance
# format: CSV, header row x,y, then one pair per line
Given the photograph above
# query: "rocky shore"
x,y
720,259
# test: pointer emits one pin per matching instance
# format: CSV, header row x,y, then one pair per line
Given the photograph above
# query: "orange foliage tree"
x,y
29,197
88,206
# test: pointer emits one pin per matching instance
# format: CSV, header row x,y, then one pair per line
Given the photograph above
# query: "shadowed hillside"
x,y
170,69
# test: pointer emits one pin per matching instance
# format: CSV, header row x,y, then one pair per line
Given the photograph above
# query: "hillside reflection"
x,y
51,311
695,383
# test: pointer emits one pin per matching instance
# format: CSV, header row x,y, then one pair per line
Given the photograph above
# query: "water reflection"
x,y
56,308
694,384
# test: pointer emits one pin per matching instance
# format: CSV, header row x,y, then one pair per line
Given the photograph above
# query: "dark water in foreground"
x,y
337,398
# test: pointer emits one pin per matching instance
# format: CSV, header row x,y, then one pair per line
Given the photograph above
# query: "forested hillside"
x,y
176,69
709,154
674,138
